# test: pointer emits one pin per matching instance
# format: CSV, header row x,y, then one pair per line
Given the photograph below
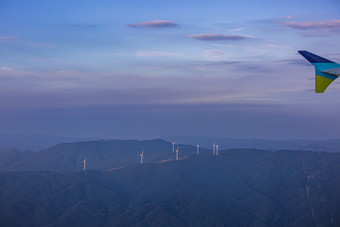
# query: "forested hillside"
x,y
100,155
236,188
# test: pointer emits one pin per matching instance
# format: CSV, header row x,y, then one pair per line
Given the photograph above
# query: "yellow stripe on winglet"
x,y
321,83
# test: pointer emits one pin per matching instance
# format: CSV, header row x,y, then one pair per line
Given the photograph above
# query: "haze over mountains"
x,y
41,142
100,155
236,188
331,145
35,142
239,187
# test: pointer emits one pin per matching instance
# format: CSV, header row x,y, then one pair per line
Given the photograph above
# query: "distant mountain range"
x,y
41,142
241,187
100,155
108,154
35,142
331,145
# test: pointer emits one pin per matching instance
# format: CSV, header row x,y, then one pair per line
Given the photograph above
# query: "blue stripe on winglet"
x,y
312,58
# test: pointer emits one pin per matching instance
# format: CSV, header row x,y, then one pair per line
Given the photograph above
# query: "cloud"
x,y
7,39
216,55
6,68
286,17
17,40
195,82
297,62
275,46
42,59
331,24
154,24
265,47
214,37
236,29
70,89
84,25
150,53
32,44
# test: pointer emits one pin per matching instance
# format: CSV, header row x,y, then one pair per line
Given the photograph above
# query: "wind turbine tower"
x,y
214,146
216,149
84,161
173,146
177,154
198,149
141,157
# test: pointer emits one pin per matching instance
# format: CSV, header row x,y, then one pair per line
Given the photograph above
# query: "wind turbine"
x,y
84,161
141,157
216,150
173,146
214,146
198,149
177,154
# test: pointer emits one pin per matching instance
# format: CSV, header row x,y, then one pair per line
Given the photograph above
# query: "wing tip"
x,y
313,58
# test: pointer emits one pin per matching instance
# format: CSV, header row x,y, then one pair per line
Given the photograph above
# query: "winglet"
x,y
312,58
326,71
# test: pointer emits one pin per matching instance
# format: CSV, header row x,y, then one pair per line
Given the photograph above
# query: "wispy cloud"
x,y
33,44
84,25
329,25
17,40
265,47
297,62
6,68
275,46
214,37
236,29
256,49
285,17
8,39
150,53
216,55
71,88
41,59
154,24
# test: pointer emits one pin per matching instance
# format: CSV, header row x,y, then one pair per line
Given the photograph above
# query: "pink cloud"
x,y
236,29
17,40
213,36
150,53
6,68
41,59
32,44
154,24
331,24
216,55
7,39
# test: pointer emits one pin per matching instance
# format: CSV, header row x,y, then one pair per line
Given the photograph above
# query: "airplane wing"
x,y
326,71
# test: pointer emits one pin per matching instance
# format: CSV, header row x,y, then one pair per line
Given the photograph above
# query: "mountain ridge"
x,y
330,145
237,188
100,154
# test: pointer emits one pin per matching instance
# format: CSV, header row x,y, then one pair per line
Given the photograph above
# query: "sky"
x,y
146,69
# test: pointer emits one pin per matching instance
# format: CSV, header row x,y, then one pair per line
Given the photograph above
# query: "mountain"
x,y
238,188
42,142
9,156
331,145
100,155
34,142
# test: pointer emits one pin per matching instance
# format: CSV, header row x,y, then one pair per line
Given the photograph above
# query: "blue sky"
x,y
144,69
